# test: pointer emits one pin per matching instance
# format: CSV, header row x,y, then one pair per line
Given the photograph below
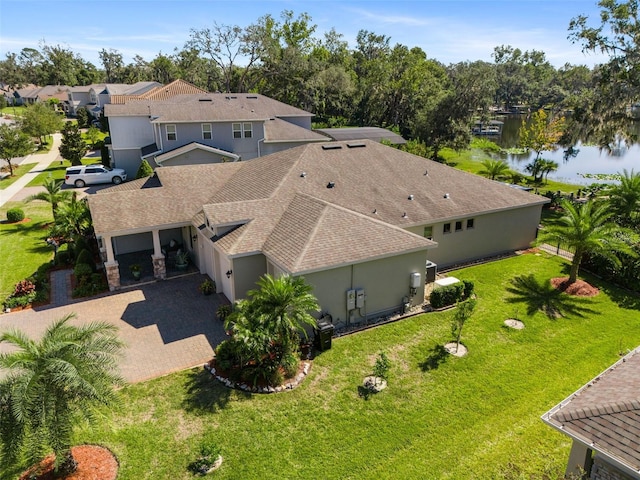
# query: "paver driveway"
x,y
167,326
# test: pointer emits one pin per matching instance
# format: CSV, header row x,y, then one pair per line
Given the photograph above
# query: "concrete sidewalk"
x,y
42,162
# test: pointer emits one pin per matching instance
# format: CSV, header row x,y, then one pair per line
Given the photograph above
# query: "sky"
x,y
449,31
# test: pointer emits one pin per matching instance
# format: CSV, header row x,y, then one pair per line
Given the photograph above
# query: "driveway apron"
x,y
167,325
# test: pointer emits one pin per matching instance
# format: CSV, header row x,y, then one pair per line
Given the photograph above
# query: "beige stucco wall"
x,y
385,282
246,272
492,234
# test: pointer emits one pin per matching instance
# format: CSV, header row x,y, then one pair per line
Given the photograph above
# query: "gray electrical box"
x,y
360,298
416,279
351,299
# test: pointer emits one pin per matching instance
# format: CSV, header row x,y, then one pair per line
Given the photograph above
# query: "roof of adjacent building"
x,y
210,107
277,130
162,92
311,206
605,413
363,133
189,147
45,93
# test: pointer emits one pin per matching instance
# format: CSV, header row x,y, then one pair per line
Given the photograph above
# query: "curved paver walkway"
x,y
168,325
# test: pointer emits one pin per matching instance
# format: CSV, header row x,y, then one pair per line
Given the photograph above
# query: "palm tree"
x,y
52,382
53,194
547,166
587,229
285,303
73,219
494,168
625,197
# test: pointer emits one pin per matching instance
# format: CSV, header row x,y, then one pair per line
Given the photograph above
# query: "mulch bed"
x,y
579,288
94,463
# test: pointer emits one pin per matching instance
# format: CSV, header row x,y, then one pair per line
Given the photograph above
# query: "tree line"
x,y
372,82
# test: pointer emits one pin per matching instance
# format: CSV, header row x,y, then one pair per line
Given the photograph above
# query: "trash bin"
x,y
323,335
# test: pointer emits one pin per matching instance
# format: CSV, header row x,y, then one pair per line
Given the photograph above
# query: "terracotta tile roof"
x,y
210,107
162,92
277,130
605,413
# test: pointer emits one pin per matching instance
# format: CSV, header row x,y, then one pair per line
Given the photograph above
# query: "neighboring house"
x,y
162,92
236,126
94,97
603,418
32,94
349,216
363,133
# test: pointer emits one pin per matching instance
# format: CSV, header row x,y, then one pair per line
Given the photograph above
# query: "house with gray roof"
x,y
348,216
603,420
201,128
95,96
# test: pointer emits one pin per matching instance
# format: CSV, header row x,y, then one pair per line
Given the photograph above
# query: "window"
x,y
171,132
242,130
469,223
446,228
458,226
428,233
206,131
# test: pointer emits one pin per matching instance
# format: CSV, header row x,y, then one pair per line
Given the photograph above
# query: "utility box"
x,y
323,334
360,298
351,300
415,280
431,272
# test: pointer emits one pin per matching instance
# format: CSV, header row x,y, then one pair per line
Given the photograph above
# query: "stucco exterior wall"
x,y
304,122
602,470
492,234
128,159
246,272
130,132
385,283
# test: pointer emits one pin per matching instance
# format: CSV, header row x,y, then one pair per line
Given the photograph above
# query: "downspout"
x,y
261,140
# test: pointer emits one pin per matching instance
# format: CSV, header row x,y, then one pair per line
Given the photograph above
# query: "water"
x,y
588,159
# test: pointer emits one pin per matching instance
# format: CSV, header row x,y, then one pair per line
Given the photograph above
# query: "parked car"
x,y
90,174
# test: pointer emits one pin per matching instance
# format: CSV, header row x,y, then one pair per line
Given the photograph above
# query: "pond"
x,y
586,159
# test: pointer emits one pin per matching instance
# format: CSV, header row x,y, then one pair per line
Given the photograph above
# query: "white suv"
x,y
87,174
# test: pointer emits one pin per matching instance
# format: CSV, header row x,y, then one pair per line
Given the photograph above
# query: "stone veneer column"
x,y
113,275
159,267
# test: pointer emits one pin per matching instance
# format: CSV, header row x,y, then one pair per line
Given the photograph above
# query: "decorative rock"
x,y
460,351
513,323
374,384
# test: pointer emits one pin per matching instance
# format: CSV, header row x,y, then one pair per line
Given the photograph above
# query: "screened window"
x,y
428,233
248,130
446,228
470,223
206,131
237,130
458,226
171,132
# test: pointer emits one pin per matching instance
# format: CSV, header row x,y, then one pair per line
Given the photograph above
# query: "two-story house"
x,y
204,128
94,97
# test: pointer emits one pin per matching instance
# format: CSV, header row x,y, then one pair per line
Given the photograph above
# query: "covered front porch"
x,y
155,254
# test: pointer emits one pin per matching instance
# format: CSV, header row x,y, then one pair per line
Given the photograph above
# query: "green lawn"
x,y
441,417
10,110
22,245
57,170
18,171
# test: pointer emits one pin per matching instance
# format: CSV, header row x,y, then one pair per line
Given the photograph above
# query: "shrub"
x,y
289,363
83,272
448,295
209,453
223,312
226,355
79,245
24,287
144,170
15,215
468,289
62,258
21,301
85,257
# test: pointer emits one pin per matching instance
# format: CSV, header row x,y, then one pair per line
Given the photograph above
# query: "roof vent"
x,y
375,211
446,195
331,184
356,145
252,97
230,97
404,215
426,173
331,147
303,174
204,100
410,197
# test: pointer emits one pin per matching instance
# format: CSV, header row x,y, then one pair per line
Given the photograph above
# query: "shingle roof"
x,y
605,413
210,107
277,130
291,215
363,133
190,147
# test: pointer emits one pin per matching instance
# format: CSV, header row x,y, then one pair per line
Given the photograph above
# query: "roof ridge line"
x,y
608,408
314,231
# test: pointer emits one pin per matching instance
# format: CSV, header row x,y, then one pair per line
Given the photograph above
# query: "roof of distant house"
x,y
348,190
162,92
44,93
605,413
363,133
